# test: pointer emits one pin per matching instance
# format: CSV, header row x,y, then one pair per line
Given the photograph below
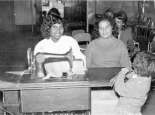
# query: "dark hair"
x,y
122,16
44,13
52,18
54,12
109,13
110,20
95,33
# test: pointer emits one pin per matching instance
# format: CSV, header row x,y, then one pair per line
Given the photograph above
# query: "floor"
x,y
13,48
149,107
104,102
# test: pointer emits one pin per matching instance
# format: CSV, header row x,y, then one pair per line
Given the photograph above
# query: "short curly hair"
x,y
122,16
53,17
144,63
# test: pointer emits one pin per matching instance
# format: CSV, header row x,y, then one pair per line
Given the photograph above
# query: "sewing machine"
x,y
46,65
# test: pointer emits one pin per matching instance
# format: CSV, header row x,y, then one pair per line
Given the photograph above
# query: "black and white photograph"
x,y
77,57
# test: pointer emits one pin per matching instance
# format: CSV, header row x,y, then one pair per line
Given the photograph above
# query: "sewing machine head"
x,y
48,65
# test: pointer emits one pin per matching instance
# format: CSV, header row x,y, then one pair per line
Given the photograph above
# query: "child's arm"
x,y
122,72
119,85
135,87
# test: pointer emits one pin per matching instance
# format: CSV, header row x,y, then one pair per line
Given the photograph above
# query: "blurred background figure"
x,y
122,31
55,15
44,14
109,13
42,17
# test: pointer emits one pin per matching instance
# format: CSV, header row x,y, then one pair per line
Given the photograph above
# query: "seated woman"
x,y
106,50
103,54
57,44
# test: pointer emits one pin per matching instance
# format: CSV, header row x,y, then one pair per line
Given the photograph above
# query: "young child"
x,y
133,86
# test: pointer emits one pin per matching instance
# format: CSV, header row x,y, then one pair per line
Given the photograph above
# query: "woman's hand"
x,y
40,58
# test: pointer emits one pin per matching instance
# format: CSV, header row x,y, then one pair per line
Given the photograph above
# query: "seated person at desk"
x,y
103,55
57,43
107,51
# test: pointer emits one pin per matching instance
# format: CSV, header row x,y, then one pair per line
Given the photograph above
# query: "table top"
x,y
102,76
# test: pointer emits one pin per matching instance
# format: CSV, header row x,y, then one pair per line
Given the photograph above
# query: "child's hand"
x,y
113,80
130,75
124,71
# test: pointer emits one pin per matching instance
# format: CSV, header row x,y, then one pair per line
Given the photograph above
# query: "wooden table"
x,y
24,95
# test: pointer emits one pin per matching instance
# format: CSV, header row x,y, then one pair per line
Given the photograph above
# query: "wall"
x,y
130,7
54,3
150,9
98,7
25,12
6,16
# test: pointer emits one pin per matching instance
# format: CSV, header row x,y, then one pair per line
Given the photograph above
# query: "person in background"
x,y
42,18
106,50
122,31
55,42
152,47
44,14
54,13
132,86
109,13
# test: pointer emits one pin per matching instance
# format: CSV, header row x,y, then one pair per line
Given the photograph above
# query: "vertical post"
x,y
32,8
87,23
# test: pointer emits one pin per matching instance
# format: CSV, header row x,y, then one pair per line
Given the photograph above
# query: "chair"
x,y
30,59
83,39
74,32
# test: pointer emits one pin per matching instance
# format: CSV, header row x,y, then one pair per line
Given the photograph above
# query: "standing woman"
x,y
106,50
122,31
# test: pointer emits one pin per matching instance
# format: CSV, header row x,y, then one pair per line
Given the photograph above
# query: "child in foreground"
x,y
132,86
